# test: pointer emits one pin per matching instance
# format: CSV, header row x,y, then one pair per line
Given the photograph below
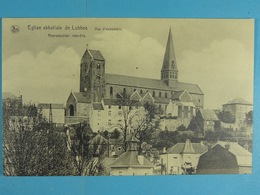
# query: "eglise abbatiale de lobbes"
x,y
97,101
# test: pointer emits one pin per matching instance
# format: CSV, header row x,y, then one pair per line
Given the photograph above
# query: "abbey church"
x,y
96,100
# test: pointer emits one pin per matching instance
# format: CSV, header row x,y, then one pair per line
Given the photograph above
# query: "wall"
x,y
57,115
131,171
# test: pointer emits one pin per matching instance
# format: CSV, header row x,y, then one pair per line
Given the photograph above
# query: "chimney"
x,y
141,159
227,145
164,150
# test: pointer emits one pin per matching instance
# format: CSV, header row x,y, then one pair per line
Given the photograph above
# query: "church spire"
x,y
169,71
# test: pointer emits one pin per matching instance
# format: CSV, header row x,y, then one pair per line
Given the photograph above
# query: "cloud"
x,y
224,70
44,77
128,54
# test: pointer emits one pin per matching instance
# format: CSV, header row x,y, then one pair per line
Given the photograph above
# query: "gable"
x,y
135,96
148,98
185,97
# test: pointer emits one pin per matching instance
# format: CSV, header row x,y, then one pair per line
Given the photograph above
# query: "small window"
x,y
153,93
130,107
134,90
109,107
119,148
198,100
119,107
166,94
160,94
98,66
141,91
109,122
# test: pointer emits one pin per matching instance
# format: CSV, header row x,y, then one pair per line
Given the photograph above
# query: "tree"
x,y
87,151
249,118
31,146
226,117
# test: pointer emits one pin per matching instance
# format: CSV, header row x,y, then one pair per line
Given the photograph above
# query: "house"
x,y
96,86
239,108
225,158
206,120
54,113
182,158
130,163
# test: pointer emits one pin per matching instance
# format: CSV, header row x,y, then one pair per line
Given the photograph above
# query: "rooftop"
x,y
150,83
48,105
179,148
239,101
208,115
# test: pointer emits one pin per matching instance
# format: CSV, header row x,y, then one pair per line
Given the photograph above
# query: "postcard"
x,y
118,97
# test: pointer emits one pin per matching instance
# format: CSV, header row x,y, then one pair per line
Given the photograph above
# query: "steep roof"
x,y
53,106
161,100
169,56
82,97
96,54
239,101
150,83
208,115
244,157
188,148
8,95
179,148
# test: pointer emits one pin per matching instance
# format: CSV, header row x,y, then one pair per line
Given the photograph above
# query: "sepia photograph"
x,y
127,97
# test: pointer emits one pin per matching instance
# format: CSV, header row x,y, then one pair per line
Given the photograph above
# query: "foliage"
x,y
249,118
31,146
87,152
219,135
226,117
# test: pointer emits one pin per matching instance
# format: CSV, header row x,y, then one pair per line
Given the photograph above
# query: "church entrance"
x,y
71,108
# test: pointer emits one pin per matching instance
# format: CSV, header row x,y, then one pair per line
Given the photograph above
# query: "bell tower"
x,y
92,74
169,71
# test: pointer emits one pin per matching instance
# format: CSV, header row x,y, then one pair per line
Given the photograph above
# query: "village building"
x,y
239,108
130,163
182,158
54,113
225,158
99,89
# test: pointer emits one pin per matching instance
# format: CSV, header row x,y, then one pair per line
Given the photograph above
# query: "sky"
x,y
216,54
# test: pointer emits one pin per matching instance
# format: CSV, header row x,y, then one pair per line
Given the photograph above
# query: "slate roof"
x,y
176,95
9,95
97,106
239,101
161,100
208,115
130,159
96,54
116,102
53,106
150,83
179,148
244,157
82,97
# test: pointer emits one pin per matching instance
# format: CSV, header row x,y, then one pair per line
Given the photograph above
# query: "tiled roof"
x,y
130,159
150,83
161,100
8,95
97,106
82,97
179,148
176,95
117,102
96,54
239,101
196,103
244,157
208,115
53,106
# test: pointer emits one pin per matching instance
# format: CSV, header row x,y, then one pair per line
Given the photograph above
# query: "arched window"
x,y
111,91
160,94
124,90
71,110
141,91
153,93
166,94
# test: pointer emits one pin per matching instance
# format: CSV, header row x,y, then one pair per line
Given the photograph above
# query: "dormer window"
x,y
98,66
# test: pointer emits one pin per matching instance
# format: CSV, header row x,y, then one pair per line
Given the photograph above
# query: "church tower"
x,y
92,75
169,71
